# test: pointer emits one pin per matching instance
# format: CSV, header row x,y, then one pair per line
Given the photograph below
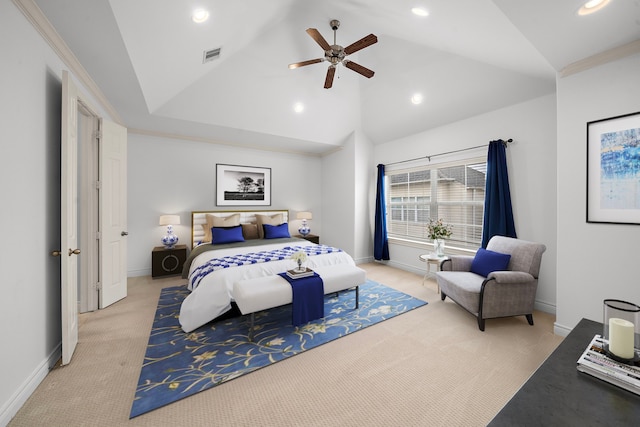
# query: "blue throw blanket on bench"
x,y
308,298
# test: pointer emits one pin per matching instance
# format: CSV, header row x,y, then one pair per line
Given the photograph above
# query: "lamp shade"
x,y
169,219
304,215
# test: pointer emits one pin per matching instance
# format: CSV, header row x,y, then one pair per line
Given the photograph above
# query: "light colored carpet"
x,y
429,367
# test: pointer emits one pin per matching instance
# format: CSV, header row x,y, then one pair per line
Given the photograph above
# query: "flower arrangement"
x,y
299,257
438,230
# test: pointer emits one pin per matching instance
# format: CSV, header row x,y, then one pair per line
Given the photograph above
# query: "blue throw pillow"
x,y
487,261
276,231
220,235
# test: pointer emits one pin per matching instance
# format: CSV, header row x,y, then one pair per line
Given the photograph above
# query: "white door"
x,y
69,217
113,213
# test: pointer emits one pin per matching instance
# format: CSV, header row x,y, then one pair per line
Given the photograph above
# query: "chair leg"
x,y
529,318
481,323
442,295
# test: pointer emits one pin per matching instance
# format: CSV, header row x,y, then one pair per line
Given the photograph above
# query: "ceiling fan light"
x,y
592,6
199,16
420,11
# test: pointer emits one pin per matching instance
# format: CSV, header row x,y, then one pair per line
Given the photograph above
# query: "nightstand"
x,y
310,237
168,262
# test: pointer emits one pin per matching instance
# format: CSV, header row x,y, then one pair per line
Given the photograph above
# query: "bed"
x,y
229,246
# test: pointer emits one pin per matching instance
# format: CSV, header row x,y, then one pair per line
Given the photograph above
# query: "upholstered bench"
x,y
261,293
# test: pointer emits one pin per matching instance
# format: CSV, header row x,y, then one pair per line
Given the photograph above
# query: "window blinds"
x,y
453,192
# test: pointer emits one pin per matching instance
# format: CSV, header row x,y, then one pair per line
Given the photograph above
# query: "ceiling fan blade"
x,y
361,44
303,63
328,82
315,34
358,69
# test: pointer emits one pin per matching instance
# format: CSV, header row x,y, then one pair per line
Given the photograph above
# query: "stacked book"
x,y
596,361
295,274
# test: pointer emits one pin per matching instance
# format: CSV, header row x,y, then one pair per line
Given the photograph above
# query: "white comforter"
x,y
213,296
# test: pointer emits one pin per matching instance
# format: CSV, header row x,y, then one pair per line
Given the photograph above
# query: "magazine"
x,y
297,274
595,361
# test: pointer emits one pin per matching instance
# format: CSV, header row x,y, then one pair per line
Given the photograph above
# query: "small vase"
x,y
170,239
300,268
438,247
304,229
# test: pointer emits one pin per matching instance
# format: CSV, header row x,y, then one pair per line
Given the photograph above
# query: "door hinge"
x,y
98,286
98,185
97,135
98,235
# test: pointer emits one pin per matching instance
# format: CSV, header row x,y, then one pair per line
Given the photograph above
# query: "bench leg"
x,y
251,327
357,295
252,315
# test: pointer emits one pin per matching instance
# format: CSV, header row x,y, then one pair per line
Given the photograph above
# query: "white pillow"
x,y
275,219
219,221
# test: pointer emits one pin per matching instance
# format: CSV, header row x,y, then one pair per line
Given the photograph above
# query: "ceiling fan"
x,y
336,54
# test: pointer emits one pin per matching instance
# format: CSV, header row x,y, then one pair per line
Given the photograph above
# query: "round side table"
x,y
431,259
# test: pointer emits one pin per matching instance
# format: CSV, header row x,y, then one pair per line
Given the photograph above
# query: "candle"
x,y
621,338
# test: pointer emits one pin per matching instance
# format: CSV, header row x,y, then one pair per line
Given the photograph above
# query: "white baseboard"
x,y
13,405
561,330
364,260
545,307
405,267
137,273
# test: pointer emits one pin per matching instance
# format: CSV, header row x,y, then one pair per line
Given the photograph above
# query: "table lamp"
x,y
304,228
170,239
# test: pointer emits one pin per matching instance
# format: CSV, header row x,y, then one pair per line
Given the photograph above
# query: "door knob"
x,y
74,251
56,253
124,233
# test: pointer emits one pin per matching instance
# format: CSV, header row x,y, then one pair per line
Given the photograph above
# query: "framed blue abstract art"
x,y
613,170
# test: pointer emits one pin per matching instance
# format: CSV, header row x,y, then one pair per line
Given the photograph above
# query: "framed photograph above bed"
x,y
243,185
613,170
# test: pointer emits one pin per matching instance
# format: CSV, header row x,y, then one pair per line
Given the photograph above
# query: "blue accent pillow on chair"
x,y
487,261
276,231
220,235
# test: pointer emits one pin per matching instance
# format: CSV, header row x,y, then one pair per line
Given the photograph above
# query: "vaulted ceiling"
x,y
466,57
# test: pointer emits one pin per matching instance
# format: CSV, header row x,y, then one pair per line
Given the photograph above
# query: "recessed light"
x,y
298,107
420,11
417,98
592,6
199,16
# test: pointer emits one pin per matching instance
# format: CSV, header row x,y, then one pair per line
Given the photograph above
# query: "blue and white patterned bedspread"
x,y
254,258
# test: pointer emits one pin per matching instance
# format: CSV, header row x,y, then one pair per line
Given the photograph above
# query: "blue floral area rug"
x,y
178,364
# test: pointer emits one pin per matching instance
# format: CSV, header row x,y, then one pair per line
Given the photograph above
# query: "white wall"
x,y
346,197
596,261
531,161
30,116
338,197
364,198
176,177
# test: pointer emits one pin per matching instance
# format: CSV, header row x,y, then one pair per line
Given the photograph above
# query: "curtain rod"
x,y
505,143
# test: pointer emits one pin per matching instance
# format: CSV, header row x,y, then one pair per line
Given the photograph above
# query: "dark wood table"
x,y
558,395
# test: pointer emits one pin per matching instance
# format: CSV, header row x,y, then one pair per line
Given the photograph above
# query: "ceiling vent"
x,y
210,55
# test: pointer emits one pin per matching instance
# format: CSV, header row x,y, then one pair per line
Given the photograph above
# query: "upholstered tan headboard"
x,y
198,218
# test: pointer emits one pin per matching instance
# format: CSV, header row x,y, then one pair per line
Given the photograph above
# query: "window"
x,y
453,192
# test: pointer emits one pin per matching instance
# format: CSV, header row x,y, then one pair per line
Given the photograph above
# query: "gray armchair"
x,y
501,293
